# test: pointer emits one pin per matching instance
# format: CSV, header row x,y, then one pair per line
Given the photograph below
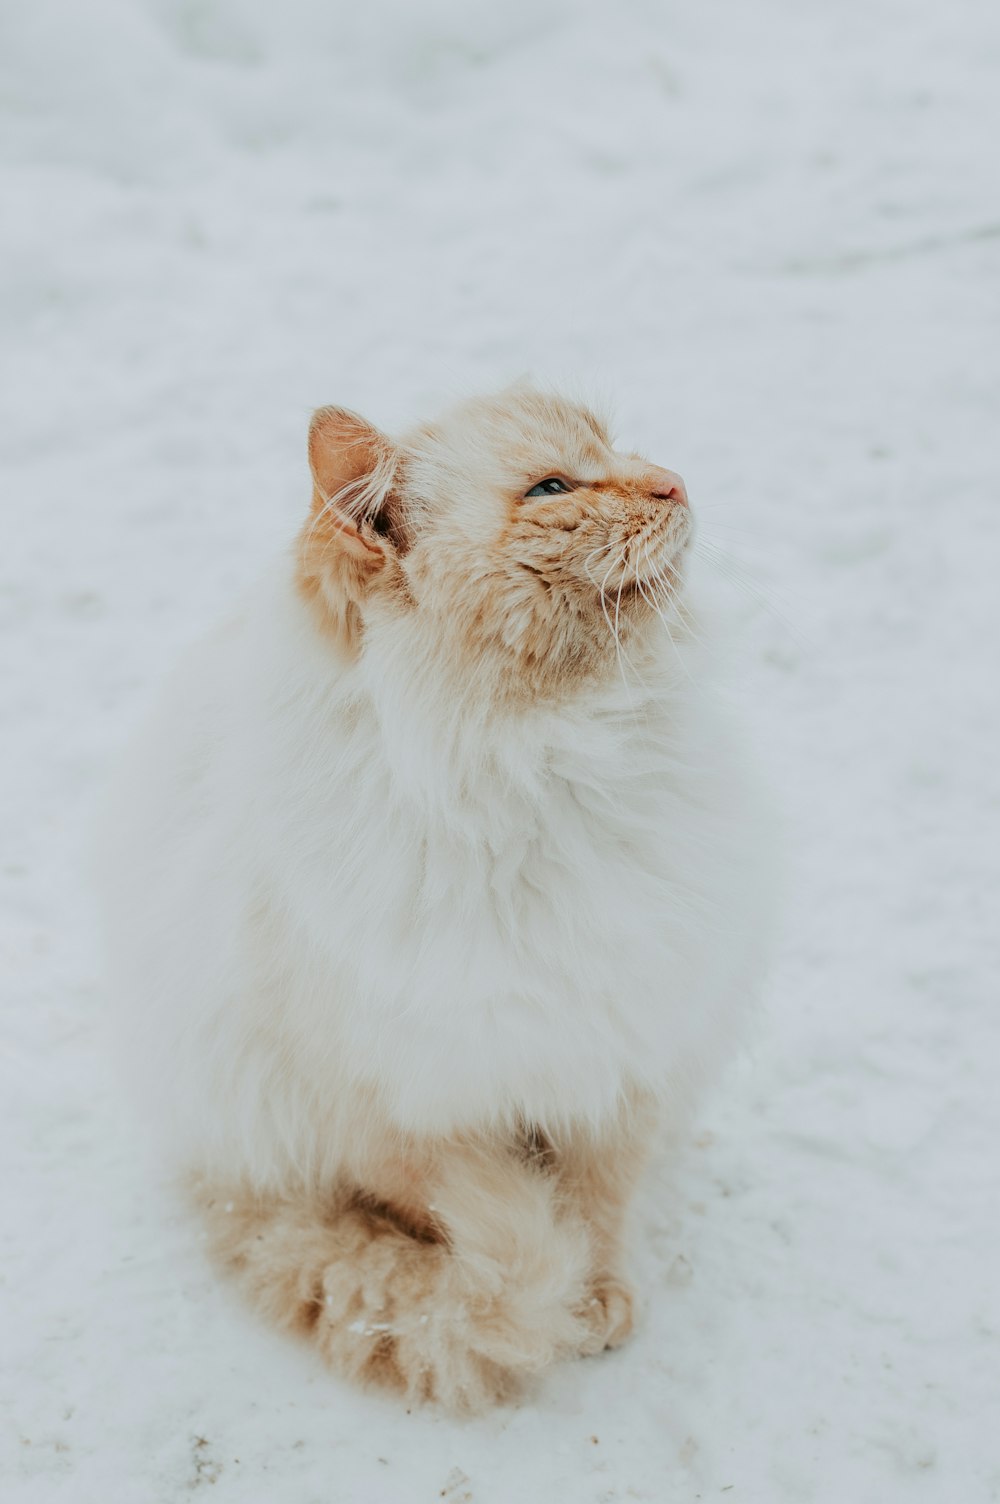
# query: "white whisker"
x,y
613,626
730,569
660,581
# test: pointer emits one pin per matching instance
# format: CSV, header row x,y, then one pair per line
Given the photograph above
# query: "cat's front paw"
x,y
609,1314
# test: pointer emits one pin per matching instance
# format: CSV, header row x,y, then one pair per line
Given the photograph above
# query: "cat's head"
x,y
510,535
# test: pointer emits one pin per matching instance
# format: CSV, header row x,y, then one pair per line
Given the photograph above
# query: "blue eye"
x,y
553,486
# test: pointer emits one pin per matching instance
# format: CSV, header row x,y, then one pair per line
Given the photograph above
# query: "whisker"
x,y
602,548
618,607
659,580
732,570
613,627
676,602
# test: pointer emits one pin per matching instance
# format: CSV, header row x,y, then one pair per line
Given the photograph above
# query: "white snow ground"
x,y
771,233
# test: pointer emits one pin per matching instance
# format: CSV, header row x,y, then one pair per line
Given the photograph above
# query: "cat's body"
x,y
419,926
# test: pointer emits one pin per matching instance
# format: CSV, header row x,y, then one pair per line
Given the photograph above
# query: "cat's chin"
x,y
663,578
657,571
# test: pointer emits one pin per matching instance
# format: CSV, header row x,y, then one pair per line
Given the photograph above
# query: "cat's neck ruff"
x,y
453,747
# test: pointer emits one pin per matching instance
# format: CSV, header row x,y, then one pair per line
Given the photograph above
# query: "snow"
x,y
771,234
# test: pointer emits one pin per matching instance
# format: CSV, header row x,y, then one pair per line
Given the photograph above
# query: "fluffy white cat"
x,y
435,879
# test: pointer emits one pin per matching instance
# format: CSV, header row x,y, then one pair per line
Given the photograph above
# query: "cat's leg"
x,y
474,1284
598,1171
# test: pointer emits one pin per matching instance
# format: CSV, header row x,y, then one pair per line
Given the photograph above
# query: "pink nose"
x,y
668,485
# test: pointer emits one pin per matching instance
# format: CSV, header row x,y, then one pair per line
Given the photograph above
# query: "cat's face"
x,y
526,545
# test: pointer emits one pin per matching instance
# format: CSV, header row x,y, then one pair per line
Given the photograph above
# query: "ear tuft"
x,y
355,471
356,525
344,451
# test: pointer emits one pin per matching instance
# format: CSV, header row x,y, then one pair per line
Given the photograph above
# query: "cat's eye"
x,y
554,485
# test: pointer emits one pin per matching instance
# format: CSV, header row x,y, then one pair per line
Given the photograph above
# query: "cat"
x,y
435,881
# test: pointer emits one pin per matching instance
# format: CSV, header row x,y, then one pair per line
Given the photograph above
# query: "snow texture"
x,y
770,232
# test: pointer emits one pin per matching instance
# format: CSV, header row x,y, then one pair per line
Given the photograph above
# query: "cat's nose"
x,y
668,485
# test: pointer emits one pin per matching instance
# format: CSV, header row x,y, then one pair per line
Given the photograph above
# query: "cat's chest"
x,y
532,934
508,895
523,868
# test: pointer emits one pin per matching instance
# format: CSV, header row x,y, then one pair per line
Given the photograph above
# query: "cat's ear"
x,y
356,472
356,528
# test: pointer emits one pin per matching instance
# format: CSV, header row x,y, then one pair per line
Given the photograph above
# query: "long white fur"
x,y
334,884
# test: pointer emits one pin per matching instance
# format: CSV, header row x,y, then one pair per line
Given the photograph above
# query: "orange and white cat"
x,y
434,881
